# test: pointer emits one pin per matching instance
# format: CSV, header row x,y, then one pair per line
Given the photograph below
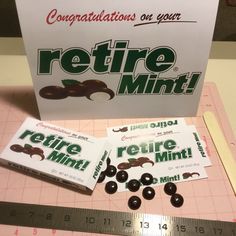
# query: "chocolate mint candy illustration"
x,y
134,162
111,187
94,84
148,193
74,88
187,175
53,92
177,200
27,149
143,159
97,90
170,188
100,94
124,166
134,202
124,129
145,163
37,153
78,90
16,148
146,179
121,176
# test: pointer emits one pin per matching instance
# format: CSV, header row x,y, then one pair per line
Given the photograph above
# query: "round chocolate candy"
x,y
124,166
134,202
111,187
108,161
110,171
148,193
133,185
141,159
53,92
37,150
101,177
93,84
77,90
146,179
121,176
100,94
170,188
16,148
135,163
177,200
27,150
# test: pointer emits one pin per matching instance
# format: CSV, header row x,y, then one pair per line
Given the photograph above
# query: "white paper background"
x,y
191,41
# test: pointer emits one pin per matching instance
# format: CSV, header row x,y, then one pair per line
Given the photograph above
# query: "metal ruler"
x,y
108,222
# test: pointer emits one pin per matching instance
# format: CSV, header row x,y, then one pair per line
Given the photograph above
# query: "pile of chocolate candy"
x,y
74,88
134,185
33,152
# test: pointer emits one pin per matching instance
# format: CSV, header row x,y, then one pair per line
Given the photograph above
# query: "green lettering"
x,y
133,150
55,156
160,59
120,151
46,59
161,156
130,85
26,133
74,149
37,138
101,52
75,60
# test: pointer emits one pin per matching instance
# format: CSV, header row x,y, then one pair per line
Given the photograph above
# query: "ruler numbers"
x,y
111,222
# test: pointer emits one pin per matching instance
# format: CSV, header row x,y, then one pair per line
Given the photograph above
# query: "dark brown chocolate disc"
x,y
37,150
142,159
77,90
53,92
177,200
124,166
94,84
148,193
16,148
27,150
134,202
135,163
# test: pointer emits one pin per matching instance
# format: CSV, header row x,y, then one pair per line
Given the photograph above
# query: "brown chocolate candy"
x,y
53,92
27,150
124,129
94,84
76,90
16,148
142,159
37,150
124,166
135,163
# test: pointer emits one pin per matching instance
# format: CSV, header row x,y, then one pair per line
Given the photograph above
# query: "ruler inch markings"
x,y
109,222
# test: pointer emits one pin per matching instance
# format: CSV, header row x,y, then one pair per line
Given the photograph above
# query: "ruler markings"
x,y
109,222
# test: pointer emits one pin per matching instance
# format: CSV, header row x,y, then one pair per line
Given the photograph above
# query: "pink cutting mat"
x,y
210,198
